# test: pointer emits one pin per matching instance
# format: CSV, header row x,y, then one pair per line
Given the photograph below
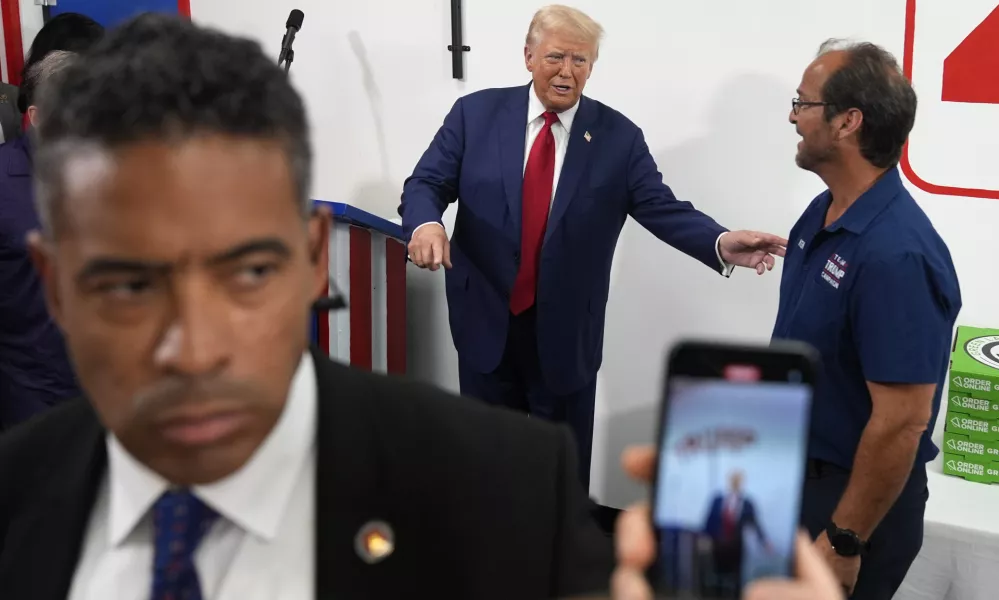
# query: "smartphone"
x,y
732,441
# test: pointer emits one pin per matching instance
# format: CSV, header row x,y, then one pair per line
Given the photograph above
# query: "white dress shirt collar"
x,y
254,497
535,109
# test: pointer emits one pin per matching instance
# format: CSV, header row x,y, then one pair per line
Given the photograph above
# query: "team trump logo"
x,y
835,270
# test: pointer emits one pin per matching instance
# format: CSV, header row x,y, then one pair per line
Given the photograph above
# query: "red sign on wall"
x,y
952,58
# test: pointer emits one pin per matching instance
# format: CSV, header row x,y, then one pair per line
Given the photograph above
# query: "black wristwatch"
x,y
845,542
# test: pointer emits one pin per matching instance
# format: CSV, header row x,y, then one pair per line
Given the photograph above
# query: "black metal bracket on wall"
x,y
457,46
46,13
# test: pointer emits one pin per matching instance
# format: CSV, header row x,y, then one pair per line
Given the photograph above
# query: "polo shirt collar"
x,y
871,203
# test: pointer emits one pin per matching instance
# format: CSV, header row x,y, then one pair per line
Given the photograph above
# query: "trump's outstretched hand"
x,y
429,248
751,249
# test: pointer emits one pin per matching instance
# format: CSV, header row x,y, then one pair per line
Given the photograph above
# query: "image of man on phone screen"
x,y
731,513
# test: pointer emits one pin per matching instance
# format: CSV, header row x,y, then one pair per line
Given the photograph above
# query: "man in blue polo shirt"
x,y
868,282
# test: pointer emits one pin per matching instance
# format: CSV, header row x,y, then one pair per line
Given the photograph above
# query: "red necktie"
x,y
538,180
728,522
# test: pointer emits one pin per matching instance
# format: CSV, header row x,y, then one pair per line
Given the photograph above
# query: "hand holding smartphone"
x,y
732,440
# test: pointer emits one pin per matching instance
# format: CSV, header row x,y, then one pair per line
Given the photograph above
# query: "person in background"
x,y
545,179
635,541
35,369
871,285
10,116
72,32
215,455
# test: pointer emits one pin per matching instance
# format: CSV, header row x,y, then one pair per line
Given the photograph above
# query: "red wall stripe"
x,y
13,43
395,293
323,331
360,298
184,7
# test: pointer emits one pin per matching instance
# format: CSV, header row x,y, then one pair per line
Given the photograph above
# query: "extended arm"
x,y
673,221
687,229
434,182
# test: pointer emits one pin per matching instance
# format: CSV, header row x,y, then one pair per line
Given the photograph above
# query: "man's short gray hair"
x,y
558,18
43,71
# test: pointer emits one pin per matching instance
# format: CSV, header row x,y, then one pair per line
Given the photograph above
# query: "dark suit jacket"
x,y
608,174
35,370
10,116
747,518
484,503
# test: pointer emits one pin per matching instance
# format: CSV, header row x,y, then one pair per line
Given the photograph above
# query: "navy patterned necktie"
x,y
180,521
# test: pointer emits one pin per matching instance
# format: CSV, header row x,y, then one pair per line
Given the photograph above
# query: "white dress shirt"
x,y
262,545
561,130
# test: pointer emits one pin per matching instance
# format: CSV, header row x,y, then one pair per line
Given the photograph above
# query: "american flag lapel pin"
x,y
587,136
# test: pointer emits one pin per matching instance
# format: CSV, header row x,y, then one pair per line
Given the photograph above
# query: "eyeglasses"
x,y
797,104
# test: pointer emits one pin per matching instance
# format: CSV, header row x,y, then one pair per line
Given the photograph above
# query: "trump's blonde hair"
x,y
558,18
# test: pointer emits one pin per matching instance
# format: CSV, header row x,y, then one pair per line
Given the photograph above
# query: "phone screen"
x,y
726,504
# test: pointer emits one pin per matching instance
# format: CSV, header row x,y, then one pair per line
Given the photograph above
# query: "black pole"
x,y
46,13
457,46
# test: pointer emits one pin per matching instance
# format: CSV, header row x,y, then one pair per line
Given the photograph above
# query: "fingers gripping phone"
x,y
732,442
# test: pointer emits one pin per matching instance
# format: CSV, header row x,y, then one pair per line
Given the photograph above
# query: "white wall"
x,y
710,82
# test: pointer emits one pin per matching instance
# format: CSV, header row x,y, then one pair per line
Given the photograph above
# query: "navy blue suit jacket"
x,y
747,518
35,371
477,157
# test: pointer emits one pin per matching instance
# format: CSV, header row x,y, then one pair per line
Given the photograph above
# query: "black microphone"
x,y
294,25
329,303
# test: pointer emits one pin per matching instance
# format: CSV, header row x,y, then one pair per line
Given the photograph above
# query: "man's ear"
x,y
42,252
852,119
528,56
33,116
319,249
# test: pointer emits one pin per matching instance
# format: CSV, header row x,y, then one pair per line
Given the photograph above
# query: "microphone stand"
x,y
289,56
294,25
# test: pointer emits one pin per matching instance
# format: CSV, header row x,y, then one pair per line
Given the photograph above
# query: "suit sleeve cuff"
x,y
441,225
726,269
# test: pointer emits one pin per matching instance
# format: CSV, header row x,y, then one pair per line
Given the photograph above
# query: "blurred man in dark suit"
x,y
215,456
35,370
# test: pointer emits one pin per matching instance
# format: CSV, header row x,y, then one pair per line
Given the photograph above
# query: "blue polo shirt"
x,y
877,295
35,370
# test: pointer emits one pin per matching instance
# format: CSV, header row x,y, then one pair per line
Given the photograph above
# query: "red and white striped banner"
x,y
369,268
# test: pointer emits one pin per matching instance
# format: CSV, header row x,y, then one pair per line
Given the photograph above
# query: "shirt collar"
x,y
870,204
535,109
254,497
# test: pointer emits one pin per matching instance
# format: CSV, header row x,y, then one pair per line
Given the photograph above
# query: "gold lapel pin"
x,y
374,542
587,136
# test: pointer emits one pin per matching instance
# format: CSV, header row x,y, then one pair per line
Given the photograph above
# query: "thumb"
x,y
447,254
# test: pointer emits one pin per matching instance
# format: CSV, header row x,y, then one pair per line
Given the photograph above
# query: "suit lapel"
x,y
512,125
48,535
577,156
349,489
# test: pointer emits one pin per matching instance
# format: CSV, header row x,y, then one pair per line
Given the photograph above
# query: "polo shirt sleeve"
x,y
900,320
